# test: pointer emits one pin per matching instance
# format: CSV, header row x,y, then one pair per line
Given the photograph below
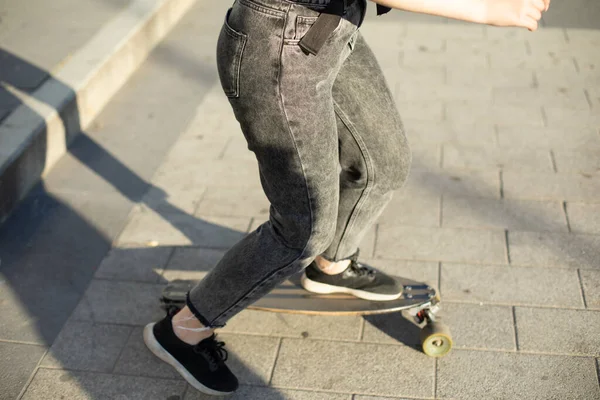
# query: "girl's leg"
x,y
283,101
374,153
375,160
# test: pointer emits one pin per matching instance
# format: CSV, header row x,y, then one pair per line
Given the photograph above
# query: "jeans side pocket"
x,y
230,48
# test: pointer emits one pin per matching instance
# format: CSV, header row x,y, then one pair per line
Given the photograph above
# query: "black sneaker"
x,y
201,365
358,279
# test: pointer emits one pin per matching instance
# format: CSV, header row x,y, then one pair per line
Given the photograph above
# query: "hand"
x,y
525,13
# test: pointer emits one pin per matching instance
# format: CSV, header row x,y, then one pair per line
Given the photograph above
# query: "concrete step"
x,y
47,100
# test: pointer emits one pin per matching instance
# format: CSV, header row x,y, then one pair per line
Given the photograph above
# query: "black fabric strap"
x,y
318,34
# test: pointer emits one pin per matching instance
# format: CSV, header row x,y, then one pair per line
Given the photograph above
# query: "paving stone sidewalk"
x,y
501,212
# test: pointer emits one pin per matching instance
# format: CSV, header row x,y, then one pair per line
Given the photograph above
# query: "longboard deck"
x,y
291,298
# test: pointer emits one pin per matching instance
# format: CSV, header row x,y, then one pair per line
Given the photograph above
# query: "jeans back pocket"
x,y
230,48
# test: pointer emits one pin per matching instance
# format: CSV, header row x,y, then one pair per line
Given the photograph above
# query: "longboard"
x,y
419,299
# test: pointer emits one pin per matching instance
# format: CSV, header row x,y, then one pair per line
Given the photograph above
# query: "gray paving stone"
x,y
426,155
291,325
114,302
508,158
498,375
479,326
57,384
542,61
584,160
546,37
213,120
390,63
17,321
422,132
564,76
486,77
50,251
264,393
87,346
584,218
147,226
480,183
554,249
17,363
591,288
424,75
182,196
510,285
189,148
387,59
406,208
507,33
233,201
432,110
567,97
472,212
144,264
558,331
538,186
210,172
191,263
574,118
408,91
594,96
251,358
445,244
468,46
384,369
136,359
379,398
475,113
546,138
416,58
449,31
423,44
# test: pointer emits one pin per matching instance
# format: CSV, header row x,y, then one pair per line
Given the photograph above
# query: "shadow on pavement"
x,y
49,251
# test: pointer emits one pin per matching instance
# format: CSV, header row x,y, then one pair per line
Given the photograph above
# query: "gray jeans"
x,y
327,137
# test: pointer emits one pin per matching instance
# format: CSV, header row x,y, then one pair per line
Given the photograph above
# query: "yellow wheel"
x,y
436,339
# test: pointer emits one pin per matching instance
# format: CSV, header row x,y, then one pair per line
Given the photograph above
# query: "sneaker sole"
x,y
323,288
164,355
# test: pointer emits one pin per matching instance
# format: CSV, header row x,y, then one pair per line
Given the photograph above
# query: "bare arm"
x,y
525,13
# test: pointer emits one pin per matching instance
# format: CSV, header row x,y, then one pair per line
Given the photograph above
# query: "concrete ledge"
x,y
35,135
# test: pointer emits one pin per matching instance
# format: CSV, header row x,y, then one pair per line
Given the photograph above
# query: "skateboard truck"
x,y
436,340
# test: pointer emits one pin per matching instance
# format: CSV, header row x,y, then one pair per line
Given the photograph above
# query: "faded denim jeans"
x,y
328,140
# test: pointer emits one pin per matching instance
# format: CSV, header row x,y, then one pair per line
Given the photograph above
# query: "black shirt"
x,y
334,5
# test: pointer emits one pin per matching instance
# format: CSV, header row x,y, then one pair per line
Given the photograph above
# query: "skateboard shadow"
x,y
397,326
